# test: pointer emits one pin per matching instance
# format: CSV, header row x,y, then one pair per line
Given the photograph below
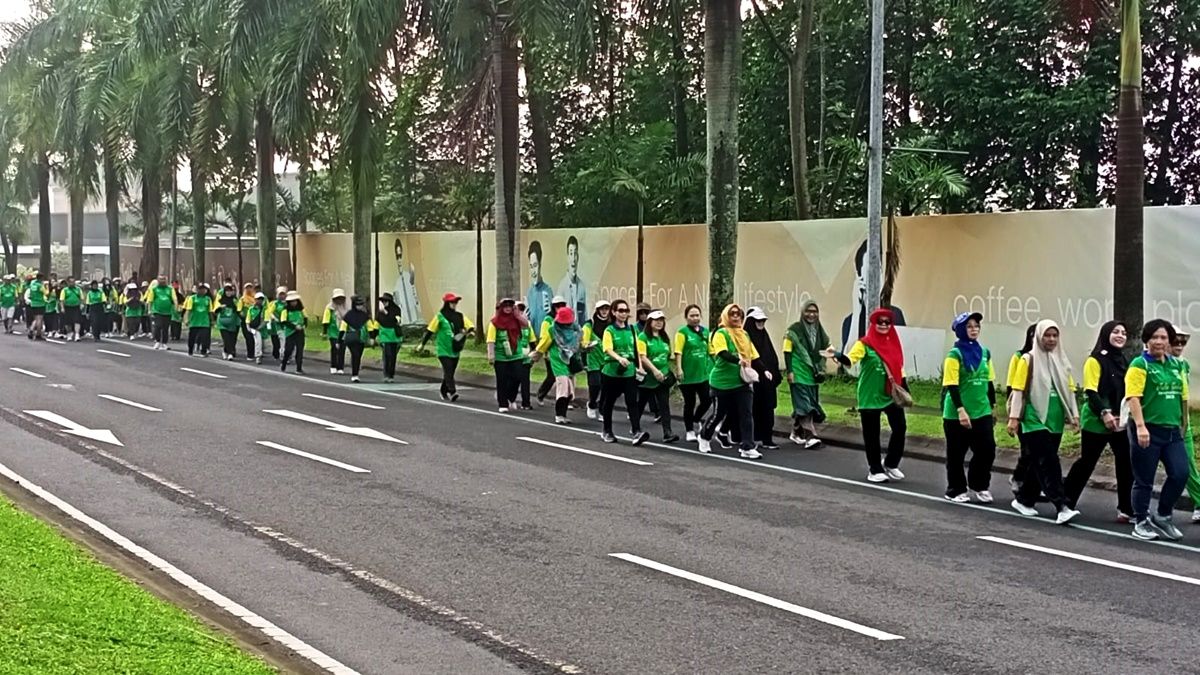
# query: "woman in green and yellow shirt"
x,y
387,318
620,374
968,413
331,322
229,320
658,360
292,324
449,330
198,311
692,366
881,369
560,345
806,346
593,334
1193,484
507,344
733,354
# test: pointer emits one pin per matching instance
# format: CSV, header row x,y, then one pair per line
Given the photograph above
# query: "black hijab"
x,y
1112,365
1029,333
762,343
455,318
600,325
389,316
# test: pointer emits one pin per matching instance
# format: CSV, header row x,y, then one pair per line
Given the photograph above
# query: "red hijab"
x,y
887,345
512,322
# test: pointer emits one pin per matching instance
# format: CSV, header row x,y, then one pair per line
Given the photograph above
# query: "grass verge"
x,y
63,612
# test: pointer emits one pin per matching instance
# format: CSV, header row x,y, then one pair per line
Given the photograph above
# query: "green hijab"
x,y
808,338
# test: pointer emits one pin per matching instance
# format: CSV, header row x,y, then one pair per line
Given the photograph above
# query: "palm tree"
x,y
292,216
722,73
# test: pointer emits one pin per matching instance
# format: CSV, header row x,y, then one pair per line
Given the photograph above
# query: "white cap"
x,y
558,300
603,303
757,314
338,293
656,314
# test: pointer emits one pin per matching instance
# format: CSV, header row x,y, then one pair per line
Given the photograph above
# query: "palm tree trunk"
x,y
199,222
151,222
797,117
679,99
264,142
539,124
722,69
77,199
10,252
479,333
305,168
1128,256
112,214
507,149
44,233
239,230
364,215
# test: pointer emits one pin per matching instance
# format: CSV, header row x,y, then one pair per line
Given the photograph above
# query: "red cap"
x,y
451,297
565,316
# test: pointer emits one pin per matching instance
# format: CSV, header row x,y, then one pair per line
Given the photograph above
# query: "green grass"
x,y
63,612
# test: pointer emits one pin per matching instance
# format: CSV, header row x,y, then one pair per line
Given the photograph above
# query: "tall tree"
x,y
722,73
1129,259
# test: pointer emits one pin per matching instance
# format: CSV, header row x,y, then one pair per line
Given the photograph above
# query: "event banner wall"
x,y
1014,268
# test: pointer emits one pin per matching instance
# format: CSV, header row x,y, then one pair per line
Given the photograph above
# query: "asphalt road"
x,y
486,542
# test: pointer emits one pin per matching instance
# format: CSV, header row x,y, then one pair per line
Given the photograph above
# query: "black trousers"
x,y
595,389
766,397
294,344
249,338
508,380
696,402
390,351
176,330
97,321
1045,465
275,346
871,434
1091,447
526,373
661,397
337,354
199,338
546,385
736,407
229,340
449,366
612,387
356,352
146,325
162,328
980,441
72,318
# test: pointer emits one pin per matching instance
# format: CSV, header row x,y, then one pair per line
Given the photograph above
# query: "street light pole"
x,y
874,262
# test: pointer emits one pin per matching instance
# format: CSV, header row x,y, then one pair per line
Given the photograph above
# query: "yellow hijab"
x,y
740,338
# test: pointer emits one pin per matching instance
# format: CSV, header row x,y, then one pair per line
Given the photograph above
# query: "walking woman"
x,y
1042,404
730,378
1021,471
527,363
449,330
96,303
766,395
692,366
619,376
112,312
658,360
354,333
1156,390
968,413
198,312
507,345
131,300
1100,423
335,312
255,317
560,344
548,382
229,320
71,297
1178,345
387,317
275,312
593,336
806,345
292,324
881,389
51,320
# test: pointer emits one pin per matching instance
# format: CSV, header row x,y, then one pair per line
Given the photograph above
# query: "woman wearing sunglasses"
x,y
620,373
880,385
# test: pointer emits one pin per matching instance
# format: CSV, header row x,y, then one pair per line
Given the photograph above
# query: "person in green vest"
x,y
1156,389
449,330
730,378
135,309
23,302
292,326
548,382
8,302
1178,345
806,346
160,299
692,366
1042,405
177,314
229,320
335,311
96,304
621,372
560,344
968,413
256,315
593,334
355,332
507,344
112,315
387,318
198,312
275,311
47,294
527,364
658,360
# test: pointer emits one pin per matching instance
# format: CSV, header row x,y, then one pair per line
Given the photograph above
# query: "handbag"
x,y
749,375
900,395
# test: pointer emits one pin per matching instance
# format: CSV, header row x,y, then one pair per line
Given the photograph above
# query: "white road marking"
x,y
76,429
201,372
759,597
1097,561
53,341
315,458
365,432
133,404
342,400
111,353
30,373
266,627
583,451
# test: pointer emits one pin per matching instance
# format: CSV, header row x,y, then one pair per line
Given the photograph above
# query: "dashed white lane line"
x,y
132,404
1095,561
266,627
29,373
593,453
759,597
56,342
368,406
201,372
315,458
112,353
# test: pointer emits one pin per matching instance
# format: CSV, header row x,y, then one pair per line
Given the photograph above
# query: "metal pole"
x,y
874,266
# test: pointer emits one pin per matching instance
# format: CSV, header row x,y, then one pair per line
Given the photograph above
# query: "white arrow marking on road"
x,y
758,597
132,404
30,373
365,432
105,351
342,400
201,372
1090,559
315,458
76,429
583,451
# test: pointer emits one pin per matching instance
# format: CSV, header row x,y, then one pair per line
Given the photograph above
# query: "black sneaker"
x,y
640,437
608,437
453,398
671,438
769,446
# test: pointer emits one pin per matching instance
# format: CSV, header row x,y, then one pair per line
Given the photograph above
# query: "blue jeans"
x,y
1166,446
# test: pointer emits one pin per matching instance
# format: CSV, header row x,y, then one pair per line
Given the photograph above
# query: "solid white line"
x,y
1097,561
315,458
581,450
266,627
105,351
53,341
759,597
342,400
134,404
30,373
201,372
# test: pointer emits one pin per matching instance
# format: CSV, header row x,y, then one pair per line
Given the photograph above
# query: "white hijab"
x,y
1049,369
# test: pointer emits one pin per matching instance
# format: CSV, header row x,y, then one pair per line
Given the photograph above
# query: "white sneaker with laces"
x,y
983,497
691,438
894,474
795,439
812,443
1022,509
559,419
333,371
1066,515
959,498
593,414
752,453
703,445
877,478
1196,516
354,378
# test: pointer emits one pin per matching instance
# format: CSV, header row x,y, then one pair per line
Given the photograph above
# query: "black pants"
x,y
275,346
97,321
1091,447
390,351
981,443
612,387
526,373
337,354
72,318
229,340
50,322
356,352
176,330
546,385
249,338
696,402
1044,464
294,344
871,431
766,397
659,396
162,328
735,406
449,366
199,338
508,379
595,389
146,325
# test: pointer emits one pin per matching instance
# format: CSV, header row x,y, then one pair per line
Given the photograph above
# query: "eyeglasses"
x,y
883,322
622,310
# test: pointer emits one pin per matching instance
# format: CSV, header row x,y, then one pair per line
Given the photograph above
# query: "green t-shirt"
x,y
624,344
802,369
443,336
503,351
724,375
694,360
95,297
228,318
293,321
658,350
972,388
1056,415
8,295
254,315
389,336
1160,386
595,355
200,311
162,300
37,295
51,304
871,393
72,296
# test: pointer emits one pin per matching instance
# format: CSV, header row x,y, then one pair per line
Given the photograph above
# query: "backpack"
x,y
353,335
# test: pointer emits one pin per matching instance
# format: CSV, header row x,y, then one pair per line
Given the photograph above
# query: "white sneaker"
x,y
812,443
877,478
511,406
333,371
959,498
894,474
751,454
341,371
131,337
559,419
691,438
703,445
983,497
795,439
1066,515
1022,509
1196,516
593,414
503,410
354,379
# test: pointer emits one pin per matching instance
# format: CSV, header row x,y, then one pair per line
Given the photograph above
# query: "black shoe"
x,y
608,437
769,446
525,406
283,367
453,398
670,438
640,437
299,371
657,419
445,396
